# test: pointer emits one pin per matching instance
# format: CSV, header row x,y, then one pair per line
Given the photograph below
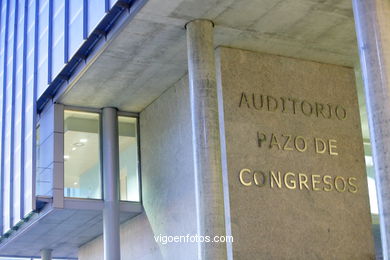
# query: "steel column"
x,y
110,148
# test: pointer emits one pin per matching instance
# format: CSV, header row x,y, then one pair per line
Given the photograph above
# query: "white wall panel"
x,y
18,85
75,25
58,42
2,52
29,137
96,11
27,66
43,40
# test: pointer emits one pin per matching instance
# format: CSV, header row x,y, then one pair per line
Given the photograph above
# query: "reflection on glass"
x,y
41,188
373,198
81,155
128,159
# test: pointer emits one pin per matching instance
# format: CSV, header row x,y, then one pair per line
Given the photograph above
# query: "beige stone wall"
x,y
319,207
317,210
167,184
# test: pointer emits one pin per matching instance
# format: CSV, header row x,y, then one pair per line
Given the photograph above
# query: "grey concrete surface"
x,y
206,138
65,229
149,54
293,221
373,32
46,254
168,184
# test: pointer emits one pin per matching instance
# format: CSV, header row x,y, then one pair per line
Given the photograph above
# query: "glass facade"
x,y
29,108
8,110
82,171
75,25
82,162
43,39
21,258
37,41
128,159
373,199
58,37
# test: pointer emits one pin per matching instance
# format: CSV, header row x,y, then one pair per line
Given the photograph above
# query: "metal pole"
x,y
46,254
206,139
373,34
110,148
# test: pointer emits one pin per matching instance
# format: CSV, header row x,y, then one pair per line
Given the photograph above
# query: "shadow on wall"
x,y
137,242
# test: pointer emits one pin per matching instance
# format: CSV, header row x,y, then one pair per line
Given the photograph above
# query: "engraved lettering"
x,y
328,184
244,99
283,104
256,179
290,184
274,141
306,108
341,113
337,184
330,110
353,186
320,145
272,106
315,181
300,139
261,137
292,181
275,179
241,176
302,181
320,110
257,104
294,101
290,105
287,141
332,147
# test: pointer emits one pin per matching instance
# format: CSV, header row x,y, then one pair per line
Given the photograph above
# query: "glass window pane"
x,y
81,155
58,36
128,159
96,12
373,198
8,110
43,34
29,136
75,25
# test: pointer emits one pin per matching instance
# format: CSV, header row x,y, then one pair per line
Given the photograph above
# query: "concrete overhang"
x,y
148,54
62,229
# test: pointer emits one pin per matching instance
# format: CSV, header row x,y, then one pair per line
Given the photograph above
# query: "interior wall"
x,y
168,189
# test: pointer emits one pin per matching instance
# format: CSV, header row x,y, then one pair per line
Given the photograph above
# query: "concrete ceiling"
x,y
149,54
63,230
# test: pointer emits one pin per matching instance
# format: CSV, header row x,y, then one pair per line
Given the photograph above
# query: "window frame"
x,y
87,110
98,111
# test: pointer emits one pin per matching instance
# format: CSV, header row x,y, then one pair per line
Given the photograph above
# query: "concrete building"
x,y
139,129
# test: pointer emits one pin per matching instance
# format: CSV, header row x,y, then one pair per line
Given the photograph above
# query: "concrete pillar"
x,y
372,20
46,254
206,141
110,148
